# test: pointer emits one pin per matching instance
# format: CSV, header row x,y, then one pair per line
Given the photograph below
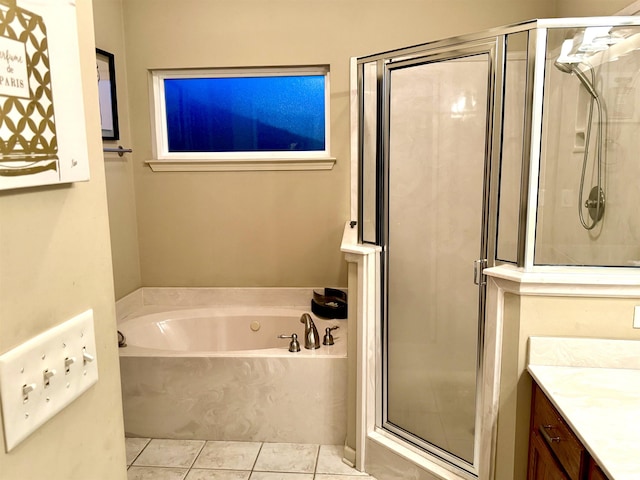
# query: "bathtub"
x,y
221,373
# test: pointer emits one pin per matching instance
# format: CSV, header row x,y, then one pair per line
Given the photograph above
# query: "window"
x,y
241,119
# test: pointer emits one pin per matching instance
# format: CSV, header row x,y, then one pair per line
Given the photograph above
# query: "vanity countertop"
x,y
595,385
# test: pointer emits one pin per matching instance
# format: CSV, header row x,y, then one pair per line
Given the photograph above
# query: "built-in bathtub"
x,y
219,372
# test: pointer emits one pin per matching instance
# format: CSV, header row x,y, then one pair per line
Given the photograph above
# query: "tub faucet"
x,y
311,338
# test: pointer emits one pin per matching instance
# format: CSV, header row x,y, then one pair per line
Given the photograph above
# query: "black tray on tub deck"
x,y
332,303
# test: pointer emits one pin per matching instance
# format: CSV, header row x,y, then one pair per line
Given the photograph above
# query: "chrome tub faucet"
x,y
311,337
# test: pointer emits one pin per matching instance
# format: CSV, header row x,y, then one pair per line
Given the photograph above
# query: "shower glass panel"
x,y
513,147
369,172
437,142
591,115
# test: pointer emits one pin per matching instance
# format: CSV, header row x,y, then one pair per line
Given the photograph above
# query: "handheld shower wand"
x,y
596,200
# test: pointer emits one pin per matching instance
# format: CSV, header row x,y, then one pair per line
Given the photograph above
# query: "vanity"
x,y
585,417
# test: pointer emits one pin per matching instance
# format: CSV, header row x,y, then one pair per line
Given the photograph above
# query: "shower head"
x,y
575,69
563,67
568,63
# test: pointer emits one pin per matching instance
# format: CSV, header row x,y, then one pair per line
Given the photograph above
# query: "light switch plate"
x,y
45,374
636,316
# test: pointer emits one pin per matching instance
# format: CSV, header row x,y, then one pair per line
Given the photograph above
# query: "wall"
x,y
54,264
589,8
109,33
545,316
266,228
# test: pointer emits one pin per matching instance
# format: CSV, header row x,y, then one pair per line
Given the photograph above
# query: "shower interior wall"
x,y
561,239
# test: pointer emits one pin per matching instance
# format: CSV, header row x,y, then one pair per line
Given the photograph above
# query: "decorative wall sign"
x,y
105,65
42,125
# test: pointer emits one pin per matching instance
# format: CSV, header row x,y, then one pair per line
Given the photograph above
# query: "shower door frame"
x,y
470,50
491,43
368,252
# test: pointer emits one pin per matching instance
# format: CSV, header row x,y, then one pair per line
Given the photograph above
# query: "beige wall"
x,y
266,228
201,229
109,33
54,264
545,316
589,8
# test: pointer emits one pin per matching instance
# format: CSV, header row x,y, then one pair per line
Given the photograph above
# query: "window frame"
x,y
164,160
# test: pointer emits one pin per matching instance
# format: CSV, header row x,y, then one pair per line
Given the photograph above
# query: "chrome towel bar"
x,y
120,150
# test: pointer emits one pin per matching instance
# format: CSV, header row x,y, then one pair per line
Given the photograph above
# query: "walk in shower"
x,y
518,146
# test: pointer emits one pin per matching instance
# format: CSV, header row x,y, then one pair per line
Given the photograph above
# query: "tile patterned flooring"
x,y
158,459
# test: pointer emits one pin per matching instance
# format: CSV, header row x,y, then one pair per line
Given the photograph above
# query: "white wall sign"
x,y
42,126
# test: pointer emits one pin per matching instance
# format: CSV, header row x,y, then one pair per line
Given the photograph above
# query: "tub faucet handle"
x,y
294,346
328,338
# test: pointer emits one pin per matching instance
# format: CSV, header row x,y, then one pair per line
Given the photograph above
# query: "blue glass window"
x,y
245,114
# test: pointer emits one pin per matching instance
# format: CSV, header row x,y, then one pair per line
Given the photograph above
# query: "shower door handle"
x,y
478,267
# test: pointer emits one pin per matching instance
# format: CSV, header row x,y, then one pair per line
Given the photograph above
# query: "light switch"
x,y
636,317
41,377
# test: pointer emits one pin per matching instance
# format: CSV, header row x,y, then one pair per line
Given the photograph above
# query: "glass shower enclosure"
x,y
515,146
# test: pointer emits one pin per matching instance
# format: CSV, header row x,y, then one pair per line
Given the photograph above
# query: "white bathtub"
x,y
216,331
220,373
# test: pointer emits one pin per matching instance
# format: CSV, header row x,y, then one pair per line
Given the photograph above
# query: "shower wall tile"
x,y
560,238
278,399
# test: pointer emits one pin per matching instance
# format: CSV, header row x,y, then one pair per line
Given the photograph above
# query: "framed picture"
x,y
105,66
43,138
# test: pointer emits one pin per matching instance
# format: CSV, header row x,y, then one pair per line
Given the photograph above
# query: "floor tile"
x,y
362,476
330,461
198,474
280,476
134,446
287,457
170,453
228,455
155,473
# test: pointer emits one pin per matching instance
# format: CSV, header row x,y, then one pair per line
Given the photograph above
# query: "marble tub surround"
x,y
147,299
278,399
161,459
595,385
261,395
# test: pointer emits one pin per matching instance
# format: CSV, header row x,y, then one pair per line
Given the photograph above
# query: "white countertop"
x,y
595,385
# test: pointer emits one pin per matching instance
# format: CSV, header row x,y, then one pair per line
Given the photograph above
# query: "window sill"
x,y
233,165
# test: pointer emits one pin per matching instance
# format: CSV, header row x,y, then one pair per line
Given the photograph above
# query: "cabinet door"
x,y
595,473
542,464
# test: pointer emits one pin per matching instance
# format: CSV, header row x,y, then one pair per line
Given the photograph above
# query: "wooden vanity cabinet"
x,y
555,452
595,472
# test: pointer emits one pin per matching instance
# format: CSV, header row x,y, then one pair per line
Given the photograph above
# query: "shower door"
x,y
436,162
